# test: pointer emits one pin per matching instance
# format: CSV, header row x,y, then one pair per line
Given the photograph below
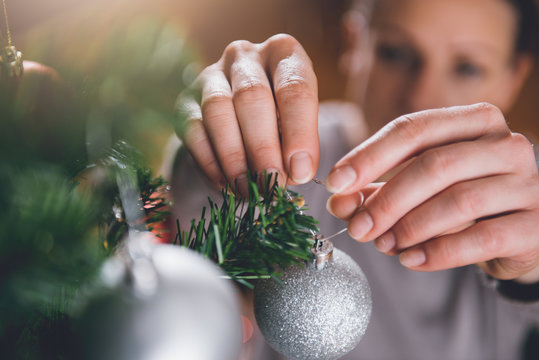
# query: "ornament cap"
x,y
323,252
11,62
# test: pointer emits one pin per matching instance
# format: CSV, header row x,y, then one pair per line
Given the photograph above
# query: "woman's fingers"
x,y
456,208
221,125
432,172
410,135
254,107
345,206
465,192
258,111
296,94
191,130
507,244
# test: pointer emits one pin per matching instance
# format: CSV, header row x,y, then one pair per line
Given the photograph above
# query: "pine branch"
x,y
255,237
113,227
49,247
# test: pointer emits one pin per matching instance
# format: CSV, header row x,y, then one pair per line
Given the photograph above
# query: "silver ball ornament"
x,y
318,312
170,304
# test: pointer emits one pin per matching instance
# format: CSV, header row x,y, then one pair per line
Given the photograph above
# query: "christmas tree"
x,y
62,152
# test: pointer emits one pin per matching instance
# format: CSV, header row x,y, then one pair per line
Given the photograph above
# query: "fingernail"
x,y
385,242
221,183
248,328
413,258
329,206
360,225
344,207
362,201
301,167
241,184
340,179
271,171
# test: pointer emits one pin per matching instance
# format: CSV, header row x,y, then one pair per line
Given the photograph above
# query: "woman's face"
x,y
438,53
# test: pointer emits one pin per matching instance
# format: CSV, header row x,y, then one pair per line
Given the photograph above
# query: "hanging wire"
x,y
8,31
316,234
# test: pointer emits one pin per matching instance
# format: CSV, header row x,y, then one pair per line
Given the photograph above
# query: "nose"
x,y
427,90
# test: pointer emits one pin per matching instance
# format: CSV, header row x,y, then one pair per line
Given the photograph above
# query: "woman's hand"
x,y
255,109
466,192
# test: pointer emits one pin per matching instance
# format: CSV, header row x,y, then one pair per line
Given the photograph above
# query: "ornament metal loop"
x,y
11,62
323,252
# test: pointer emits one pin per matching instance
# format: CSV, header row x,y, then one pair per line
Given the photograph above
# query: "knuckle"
x,y
235,156
521,140
206,73
285,50
367,160
405,231
251,90
233,162
263,150
491,240
382,204
294,87
467,200
215,98
493,116
209,163
409,128
492,110
435,163
446,251
186,111
520,152
193,134
522,146
237,47
204,79
282,40
183,103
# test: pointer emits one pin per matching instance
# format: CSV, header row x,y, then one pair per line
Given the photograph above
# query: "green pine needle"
x,y
252,238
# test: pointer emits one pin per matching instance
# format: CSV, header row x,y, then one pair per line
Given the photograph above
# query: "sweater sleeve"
x,y
512,290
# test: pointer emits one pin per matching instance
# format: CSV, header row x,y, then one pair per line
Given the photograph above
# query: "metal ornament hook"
x,y
322,251
11,62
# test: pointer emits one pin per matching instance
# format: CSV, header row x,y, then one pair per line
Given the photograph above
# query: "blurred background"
x,y
54,30
123,63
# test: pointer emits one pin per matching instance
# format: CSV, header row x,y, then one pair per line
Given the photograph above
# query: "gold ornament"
x,y
10,58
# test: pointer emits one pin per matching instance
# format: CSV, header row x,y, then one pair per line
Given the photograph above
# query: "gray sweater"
x,y
454,314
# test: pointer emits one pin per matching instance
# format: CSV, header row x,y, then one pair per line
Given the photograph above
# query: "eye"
x,y
468,69
397,55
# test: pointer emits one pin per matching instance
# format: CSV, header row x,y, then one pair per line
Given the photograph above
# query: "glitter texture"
x,y
315,314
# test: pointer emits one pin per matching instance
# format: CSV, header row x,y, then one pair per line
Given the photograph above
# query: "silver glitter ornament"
x,y
318,312
168,304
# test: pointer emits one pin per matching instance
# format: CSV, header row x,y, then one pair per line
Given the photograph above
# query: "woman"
x,y
463,190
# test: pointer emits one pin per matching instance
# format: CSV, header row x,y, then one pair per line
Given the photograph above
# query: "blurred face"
x,y
438,53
